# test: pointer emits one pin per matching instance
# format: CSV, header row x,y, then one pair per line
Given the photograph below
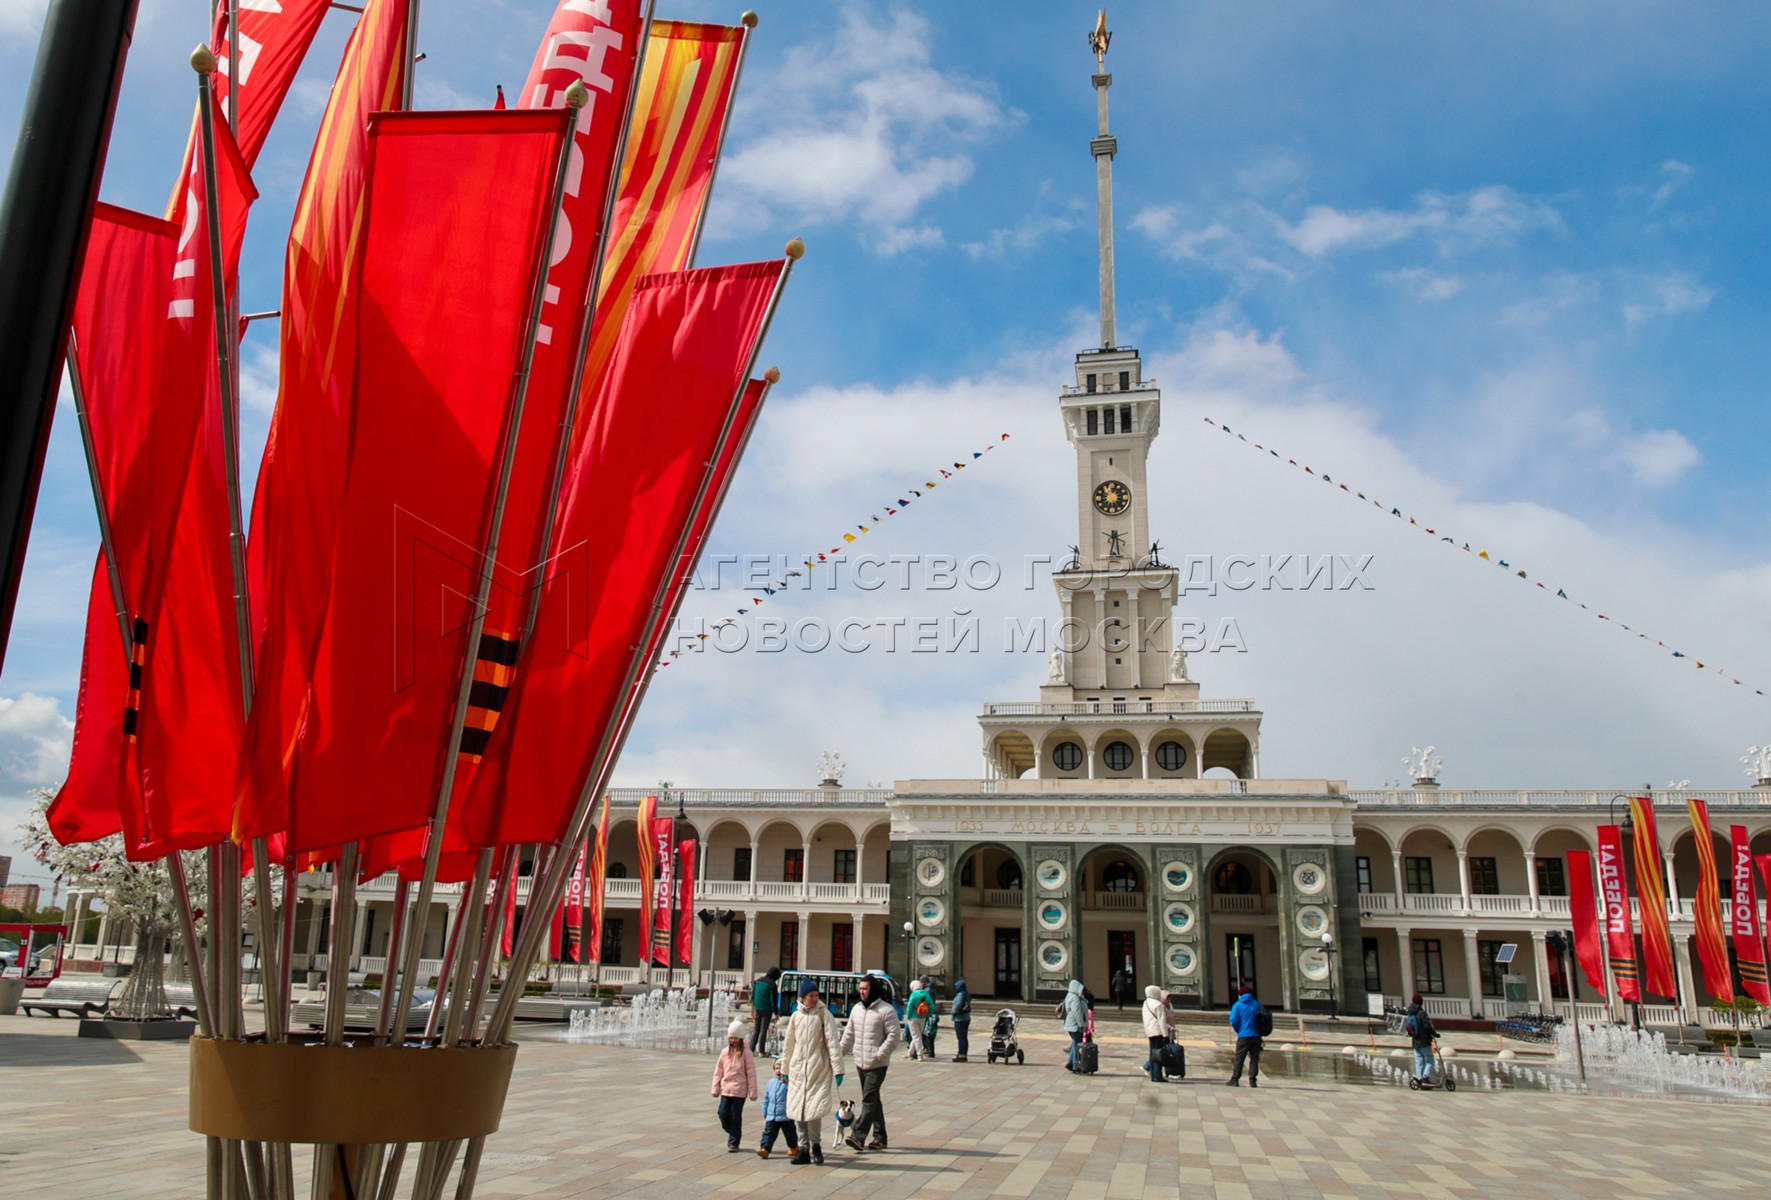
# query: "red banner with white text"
x,y
662,900
685,905
1749,940
568,922
455,225
1712,946
1620,938
648,850
1588,950
690,337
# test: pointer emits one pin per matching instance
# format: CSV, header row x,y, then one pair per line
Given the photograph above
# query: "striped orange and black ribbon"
x,y
1624,969
493,667
138,658
1752,972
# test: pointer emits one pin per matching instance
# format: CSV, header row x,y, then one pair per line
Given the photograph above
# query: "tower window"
x,y
1091,384
1094,417
1171,756
1107,420
1118,756
1067,756
1125,418
1125,385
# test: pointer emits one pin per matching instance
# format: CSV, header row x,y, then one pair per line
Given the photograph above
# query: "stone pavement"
x,y
87,1118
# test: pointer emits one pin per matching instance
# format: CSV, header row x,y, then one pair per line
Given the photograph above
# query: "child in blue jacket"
x,y
775,1115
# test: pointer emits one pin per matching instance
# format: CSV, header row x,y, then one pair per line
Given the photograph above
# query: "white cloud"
x,y
1021,237
1423,284
1483,216
1673,176
862,127
22,19
1659,457
35,741
898,240
1666,295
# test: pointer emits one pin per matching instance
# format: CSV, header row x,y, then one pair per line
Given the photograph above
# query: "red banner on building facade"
x,y
568,924
1712,946
1657,938
1620,937
685,907
648,875
599,873
1749,943
663,898
1588,948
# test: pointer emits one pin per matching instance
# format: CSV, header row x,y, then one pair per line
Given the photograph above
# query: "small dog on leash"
x,y
845,1118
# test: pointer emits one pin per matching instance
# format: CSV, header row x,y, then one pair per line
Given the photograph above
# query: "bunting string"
x,y
904,499
1507,565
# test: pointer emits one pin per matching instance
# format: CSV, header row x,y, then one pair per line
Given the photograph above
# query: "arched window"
x,y
966,873
1119,876
1118,756
1171,756
617,870
1067,756
1008,875
1232,879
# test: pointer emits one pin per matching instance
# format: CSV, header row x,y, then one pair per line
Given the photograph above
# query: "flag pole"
x,y
504,1013
748,20
577,96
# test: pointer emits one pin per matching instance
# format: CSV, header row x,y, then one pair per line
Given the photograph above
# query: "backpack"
x,y
922,1008
1263,1022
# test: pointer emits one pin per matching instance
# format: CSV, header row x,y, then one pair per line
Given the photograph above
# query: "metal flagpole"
x,y
637,676
748,20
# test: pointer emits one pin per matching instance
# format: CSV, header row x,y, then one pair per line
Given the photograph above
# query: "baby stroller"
x,y
1002,1038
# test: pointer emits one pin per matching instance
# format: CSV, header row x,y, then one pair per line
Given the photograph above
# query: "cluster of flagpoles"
x,y
1512,568
1605,941
605,194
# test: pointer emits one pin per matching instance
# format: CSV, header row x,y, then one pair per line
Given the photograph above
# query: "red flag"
x,y
1749,943
1586,919
662,900
685,906
1657,942
1712,947
1620,938
457,213
101,786
648,874
599,872
596,45
506,938
301,478
568,920
691,337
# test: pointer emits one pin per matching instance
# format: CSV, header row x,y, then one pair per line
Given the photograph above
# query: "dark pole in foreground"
x,y
44,217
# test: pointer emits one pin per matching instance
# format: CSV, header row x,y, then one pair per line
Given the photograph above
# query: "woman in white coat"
x,y
1158,1028
812,1053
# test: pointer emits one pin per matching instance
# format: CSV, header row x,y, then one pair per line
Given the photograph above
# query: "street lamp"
x,y
909,951
708,918
1330,949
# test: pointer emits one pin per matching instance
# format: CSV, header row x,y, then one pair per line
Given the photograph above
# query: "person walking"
x,y
1119,987
962,1018
1245,1019
1158,1028
734,1081
917,1011
1075,1010
1422,1035
812,1051
765,999
775,1122
871,1033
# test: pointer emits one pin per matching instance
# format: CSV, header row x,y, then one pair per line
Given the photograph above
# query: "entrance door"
x,y
1008,962
1239,955
1122,951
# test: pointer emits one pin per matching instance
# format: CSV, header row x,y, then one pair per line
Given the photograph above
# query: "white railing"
x,y
1446,797
1586,1012
1509,905
1417,902
1003,897
835,891
780,891
1109,708
723,889
1221,903
1445,1006
754,797
1377,902
621,889
876,893
1553,906
1117,901
1662,1014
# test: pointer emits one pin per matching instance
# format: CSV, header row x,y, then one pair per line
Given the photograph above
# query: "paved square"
x,y
87,1118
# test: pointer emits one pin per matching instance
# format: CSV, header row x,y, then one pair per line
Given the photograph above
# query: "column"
x,y
1672,888
750,941
1146,774
1531,880
1687,981
1396,874
1473,972
860,867
805,941
858,949
104,929
1541,955
1405,947
756,853
805,870
1463,878
1090,755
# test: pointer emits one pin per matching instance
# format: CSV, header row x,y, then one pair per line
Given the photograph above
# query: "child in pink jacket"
x,y
734,1081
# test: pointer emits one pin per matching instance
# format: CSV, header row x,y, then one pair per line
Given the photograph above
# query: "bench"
x,y
82,997
181,998
1683,1039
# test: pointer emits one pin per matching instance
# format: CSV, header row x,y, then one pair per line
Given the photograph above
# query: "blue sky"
x,y
1502,263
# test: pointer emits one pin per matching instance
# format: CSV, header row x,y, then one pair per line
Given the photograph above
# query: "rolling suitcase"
x,y
1088,1059
1172,1058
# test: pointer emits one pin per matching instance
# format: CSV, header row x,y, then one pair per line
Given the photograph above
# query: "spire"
x,y
1104,146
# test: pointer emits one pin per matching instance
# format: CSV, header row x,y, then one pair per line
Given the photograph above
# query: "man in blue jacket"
x,y
1245,1018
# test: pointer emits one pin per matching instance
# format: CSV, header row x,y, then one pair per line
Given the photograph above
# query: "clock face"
x,y
1113,497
